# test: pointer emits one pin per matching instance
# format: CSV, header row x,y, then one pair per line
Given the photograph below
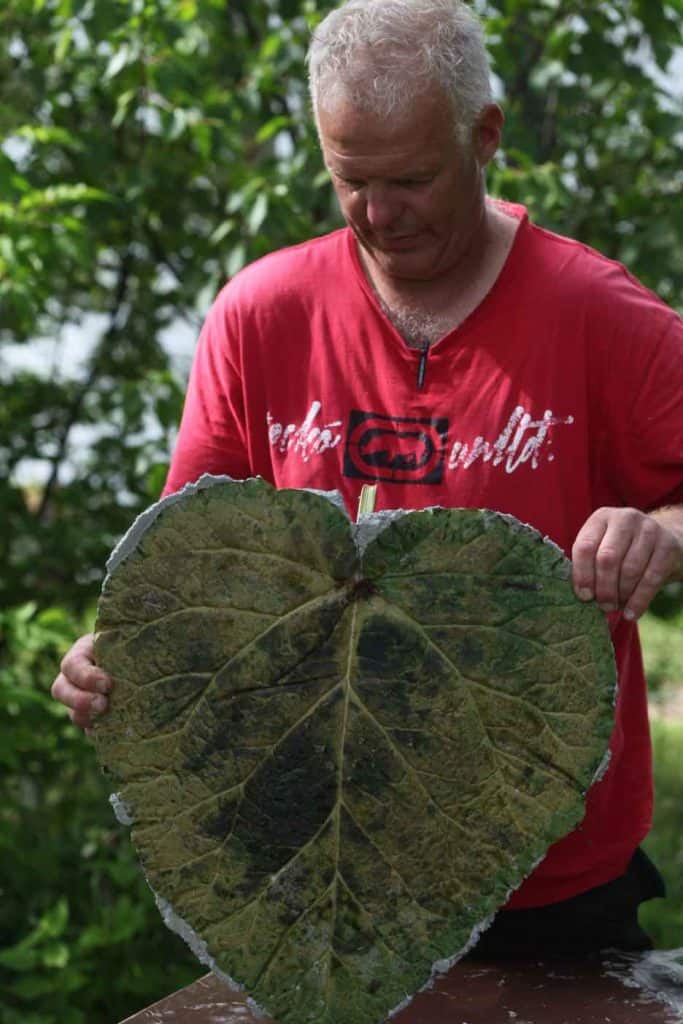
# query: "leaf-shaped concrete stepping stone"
x,y
343,746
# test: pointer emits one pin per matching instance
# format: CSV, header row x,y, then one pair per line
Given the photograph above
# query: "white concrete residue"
x,y
372,524
658,974
490,517
441,967
334,498
130,539
189,935
601,770
123,812
139,527
198,946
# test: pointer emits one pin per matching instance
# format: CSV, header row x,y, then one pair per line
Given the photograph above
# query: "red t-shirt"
x,y
559,394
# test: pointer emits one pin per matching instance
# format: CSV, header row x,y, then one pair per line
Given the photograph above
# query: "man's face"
x,y
412,194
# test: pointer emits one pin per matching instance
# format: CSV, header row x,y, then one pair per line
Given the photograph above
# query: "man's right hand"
x,y
81,685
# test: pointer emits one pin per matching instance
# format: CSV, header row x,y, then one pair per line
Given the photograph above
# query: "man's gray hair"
x,y
383,54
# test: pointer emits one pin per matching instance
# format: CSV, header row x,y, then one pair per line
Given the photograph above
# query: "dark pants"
x,y
605,917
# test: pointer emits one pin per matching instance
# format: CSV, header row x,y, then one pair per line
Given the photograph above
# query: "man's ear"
x,y
487,133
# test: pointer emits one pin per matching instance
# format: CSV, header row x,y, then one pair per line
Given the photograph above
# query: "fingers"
x,y
81,685
584,552
621,558
644,570
608,555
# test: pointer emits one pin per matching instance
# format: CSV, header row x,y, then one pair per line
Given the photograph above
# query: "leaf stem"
x,y
366,502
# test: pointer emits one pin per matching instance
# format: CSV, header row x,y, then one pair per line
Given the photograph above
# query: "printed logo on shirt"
x,y
401,449
398,449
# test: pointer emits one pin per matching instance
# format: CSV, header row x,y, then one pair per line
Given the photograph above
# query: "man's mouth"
x,y
397,243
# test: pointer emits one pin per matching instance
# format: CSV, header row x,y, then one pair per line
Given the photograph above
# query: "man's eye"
x,y
352,183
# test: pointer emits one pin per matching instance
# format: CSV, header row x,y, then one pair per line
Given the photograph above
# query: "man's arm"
x,y
622,557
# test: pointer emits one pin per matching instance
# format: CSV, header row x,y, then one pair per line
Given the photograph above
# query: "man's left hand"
x,y
622,557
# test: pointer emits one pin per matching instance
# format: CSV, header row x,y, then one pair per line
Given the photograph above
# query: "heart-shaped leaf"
x,y
343,746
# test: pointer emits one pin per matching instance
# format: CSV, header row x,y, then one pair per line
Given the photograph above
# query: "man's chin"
x,y
412,263
405,266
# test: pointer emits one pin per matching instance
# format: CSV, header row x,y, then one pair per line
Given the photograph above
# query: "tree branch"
x,y
74,409
165,260
519,89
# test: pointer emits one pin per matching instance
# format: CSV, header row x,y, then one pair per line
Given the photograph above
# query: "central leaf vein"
x,y
346,685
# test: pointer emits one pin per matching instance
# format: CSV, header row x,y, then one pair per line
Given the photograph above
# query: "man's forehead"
x,y
348,130
381,164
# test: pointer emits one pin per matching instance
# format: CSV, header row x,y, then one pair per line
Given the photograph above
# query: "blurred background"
x,y
148,150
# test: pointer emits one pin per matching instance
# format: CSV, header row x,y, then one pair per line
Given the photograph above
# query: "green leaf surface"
x,y
343,746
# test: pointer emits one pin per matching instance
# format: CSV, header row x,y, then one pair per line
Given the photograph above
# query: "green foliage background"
x,y
150,149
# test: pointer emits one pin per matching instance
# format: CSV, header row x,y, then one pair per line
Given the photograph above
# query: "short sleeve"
x,y
643,401
212,434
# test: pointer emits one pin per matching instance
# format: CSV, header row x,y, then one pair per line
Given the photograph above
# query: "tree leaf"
x,y
117,62
63,44
257,214
272,127
343,746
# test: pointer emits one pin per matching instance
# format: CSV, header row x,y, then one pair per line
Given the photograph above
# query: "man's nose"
x,y
381,208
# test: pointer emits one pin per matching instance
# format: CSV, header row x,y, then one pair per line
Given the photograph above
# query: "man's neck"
x,y
424,311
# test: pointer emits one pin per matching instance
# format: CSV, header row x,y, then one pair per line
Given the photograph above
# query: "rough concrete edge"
x,y
443,966
601,770
334,498
372,524
517,525
123,813
364,530
127,544
177,924
139,527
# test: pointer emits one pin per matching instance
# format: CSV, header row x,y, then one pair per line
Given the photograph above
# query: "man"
x,y
447,349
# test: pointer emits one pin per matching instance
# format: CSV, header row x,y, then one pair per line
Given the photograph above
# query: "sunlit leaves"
x,y
158,95
583,100
72,893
